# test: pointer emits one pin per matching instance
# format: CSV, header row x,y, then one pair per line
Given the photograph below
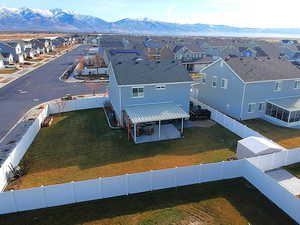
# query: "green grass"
x,y
80,146
231,202
294,169
287,137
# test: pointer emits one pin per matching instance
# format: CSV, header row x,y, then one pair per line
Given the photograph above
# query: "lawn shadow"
x,y
246,201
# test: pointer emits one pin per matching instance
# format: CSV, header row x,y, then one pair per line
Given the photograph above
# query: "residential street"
x,y
38,86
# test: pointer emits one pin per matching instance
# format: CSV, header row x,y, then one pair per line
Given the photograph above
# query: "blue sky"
x,y
243,13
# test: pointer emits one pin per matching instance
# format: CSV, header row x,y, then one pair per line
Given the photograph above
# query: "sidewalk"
x,y
6,79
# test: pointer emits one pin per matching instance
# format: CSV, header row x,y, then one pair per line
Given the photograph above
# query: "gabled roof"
x,y
135,71
260,52
5,48
112,44
177,48
151,44
263,69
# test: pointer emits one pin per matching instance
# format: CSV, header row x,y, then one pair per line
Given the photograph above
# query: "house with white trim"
x,y
144,92
249,88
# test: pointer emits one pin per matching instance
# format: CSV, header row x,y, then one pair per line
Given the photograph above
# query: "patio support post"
x,y
181,125
159,130
135,132
290,112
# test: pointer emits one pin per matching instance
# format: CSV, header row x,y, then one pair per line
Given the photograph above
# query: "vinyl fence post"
x,y
127,183
14,200
100,186
151,180
73,191
44,196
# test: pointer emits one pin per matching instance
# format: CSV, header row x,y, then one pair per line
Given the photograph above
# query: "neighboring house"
x,y
121,54
8,58
219,48
247,52
196,65
29,53
166,53
184,53
15,49
112,44
143,91
249,88
152,50
2,65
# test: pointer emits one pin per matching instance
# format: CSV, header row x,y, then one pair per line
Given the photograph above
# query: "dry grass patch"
x,y
80,146
231,202
287,137
8,71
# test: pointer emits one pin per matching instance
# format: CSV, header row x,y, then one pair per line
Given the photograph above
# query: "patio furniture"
x,y
148,130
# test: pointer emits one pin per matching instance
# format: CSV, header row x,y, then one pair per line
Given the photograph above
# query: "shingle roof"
x,y
151,44
260,69
136,71
112,44
177,48
260,52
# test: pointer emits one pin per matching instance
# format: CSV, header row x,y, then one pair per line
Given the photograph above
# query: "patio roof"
x,y
155,112
290,104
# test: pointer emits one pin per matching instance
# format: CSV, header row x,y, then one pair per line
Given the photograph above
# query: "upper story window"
x,y
160,87
138,92
204,78
297,84
214,82
224,83
251,107
277,86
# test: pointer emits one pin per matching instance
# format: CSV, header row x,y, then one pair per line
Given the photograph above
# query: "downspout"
x,y
243,100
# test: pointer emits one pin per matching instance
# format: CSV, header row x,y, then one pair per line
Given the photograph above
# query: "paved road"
x,y
39,86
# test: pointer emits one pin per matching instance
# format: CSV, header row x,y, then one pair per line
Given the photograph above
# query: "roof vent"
x,y
119,63
157,62
241,59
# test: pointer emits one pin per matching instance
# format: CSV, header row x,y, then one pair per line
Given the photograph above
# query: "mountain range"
x,y
26,19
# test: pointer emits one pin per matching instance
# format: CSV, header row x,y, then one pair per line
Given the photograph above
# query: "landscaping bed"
x,y
80,145
231,202
287,137
92,77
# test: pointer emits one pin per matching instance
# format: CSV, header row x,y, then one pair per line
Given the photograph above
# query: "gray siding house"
x,y
248,88
143,91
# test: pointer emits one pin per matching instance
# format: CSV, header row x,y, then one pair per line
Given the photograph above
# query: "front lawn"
x,y
231,202
287,137
80,146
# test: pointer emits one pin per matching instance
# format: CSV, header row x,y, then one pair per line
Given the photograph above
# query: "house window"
x,y
214,82
224,83
251,107
138,92
260,106
204,78
277,86
297,84
160,87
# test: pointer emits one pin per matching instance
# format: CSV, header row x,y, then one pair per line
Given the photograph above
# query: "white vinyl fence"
x,y
52,107
273,190
61,194
229,123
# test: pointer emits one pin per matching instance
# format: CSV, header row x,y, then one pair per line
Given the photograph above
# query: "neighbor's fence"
x,y
226,121
61,194
23,143
280,196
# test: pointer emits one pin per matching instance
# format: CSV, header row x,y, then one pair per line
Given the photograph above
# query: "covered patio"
x,y
155,122
286,110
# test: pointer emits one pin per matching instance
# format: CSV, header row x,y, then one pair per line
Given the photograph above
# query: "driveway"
x,y
39,86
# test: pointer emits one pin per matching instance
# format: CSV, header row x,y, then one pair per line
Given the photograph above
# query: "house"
x,y
122,54
249,88
8,58
247,52
2,65
152,50
185,53
196,65
29,53
143,91
13,48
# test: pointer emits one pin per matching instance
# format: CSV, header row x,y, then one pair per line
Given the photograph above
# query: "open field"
x,y
20,36
287,137
231,202
80,146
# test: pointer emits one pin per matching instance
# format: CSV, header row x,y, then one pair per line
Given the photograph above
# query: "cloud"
x,y
170,11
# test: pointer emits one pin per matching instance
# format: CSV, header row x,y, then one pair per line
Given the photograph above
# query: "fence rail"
x,y
62,194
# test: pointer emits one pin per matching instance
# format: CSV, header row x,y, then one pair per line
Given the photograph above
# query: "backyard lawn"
x,y
294,169
231,202
287,137
80,146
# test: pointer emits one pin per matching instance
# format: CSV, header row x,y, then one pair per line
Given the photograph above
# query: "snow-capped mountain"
x,y
25,19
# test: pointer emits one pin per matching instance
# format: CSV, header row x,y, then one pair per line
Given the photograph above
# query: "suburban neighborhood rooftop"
x,y
138,71
260,69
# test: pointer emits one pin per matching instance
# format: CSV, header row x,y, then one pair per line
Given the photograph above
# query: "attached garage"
x,y
255,146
